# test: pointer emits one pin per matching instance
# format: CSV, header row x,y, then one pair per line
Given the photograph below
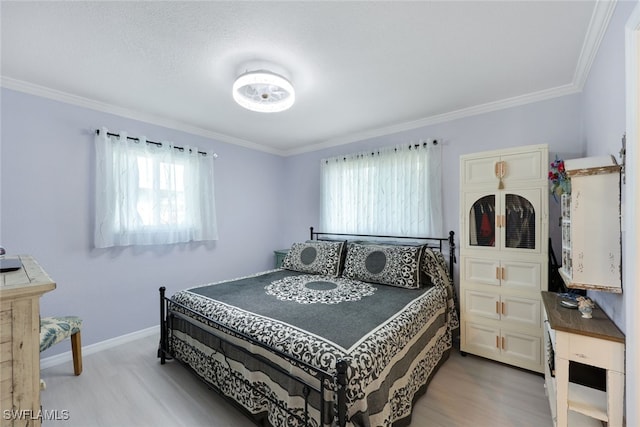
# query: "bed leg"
x,y
163,328
452,252
341,380
305,393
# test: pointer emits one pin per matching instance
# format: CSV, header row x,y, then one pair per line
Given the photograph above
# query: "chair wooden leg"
x,y
76,351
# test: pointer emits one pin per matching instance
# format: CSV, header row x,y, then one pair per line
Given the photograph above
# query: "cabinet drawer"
x,y
480,170
483,271
516,167
522,310
482,304
482,339
590,351
522,275
524,166
522,347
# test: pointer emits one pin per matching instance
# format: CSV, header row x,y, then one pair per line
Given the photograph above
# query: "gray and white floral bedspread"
x,y
394,340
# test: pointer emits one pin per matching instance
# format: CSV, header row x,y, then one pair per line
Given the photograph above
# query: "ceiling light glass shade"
x,y
263,91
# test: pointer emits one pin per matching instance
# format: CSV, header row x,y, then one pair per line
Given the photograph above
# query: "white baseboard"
x,y
61,358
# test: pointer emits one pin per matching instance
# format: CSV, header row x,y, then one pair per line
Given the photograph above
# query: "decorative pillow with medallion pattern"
x,y
316,257
385,264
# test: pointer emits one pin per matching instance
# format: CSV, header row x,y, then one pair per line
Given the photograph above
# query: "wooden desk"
x,y
595,342
20,292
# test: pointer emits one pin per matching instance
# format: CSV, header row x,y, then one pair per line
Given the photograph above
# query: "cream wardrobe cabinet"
x,y
504,223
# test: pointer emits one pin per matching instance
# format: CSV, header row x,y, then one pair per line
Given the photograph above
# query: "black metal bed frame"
x,y
340,379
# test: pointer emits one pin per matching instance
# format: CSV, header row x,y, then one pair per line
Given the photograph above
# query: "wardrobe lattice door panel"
x,y
482,221
504,220
520,222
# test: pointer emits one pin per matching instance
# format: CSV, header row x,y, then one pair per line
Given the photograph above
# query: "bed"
x,y
349,332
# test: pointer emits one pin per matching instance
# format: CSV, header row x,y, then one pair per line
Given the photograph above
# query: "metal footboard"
x,y
337,407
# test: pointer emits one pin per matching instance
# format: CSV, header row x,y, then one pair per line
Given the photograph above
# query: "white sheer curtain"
x,y
149,194
391,191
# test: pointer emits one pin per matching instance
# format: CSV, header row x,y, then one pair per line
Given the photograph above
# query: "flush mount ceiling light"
x,y
263,91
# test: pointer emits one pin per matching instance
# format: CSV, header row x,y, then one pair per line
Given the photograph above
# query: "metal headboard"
x,y
431,242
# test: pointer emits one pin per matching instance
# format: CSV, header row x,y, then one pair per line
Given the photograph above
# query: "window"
x,y
392,191
150,193
161,193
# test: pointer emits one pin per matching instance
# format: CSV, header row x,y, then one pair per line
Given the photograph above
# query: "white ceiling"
x,y
360,69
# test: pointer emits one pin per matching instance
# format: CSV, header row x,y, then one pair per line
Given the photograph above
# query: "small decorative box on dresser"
x,y
20,292
573,342
504,223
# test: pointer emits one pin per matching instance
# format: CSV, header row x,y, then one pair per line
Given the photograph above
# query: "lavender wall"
x,y
46,209
556,122
604,119
264,201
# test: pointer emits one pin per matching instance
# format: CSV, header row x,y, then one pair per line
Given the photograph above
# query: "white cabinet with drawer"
x,y
572,340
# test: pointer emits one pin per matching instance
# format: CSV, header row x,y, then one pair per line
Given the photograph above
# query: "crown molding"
x,y
517,101
56,95
598,25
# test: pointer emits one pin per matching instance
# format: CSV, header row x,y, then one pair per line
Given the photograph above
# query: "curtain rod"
x,y
425,143
215,156
373,153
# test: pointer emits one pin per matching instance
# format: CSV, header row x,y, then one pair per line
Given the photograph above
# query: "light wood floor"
x,y
127,386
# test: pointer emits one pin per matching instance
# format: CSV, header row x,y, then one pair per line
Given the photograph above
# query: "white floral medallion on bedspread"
x,y
309,289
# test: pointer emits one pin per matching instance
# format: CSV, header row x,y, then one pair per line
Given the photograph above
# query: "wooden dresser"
x,y
20,292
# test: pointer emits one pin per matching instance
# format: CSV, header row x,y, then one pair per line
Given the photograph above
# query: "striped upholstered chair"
x,y
56,329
